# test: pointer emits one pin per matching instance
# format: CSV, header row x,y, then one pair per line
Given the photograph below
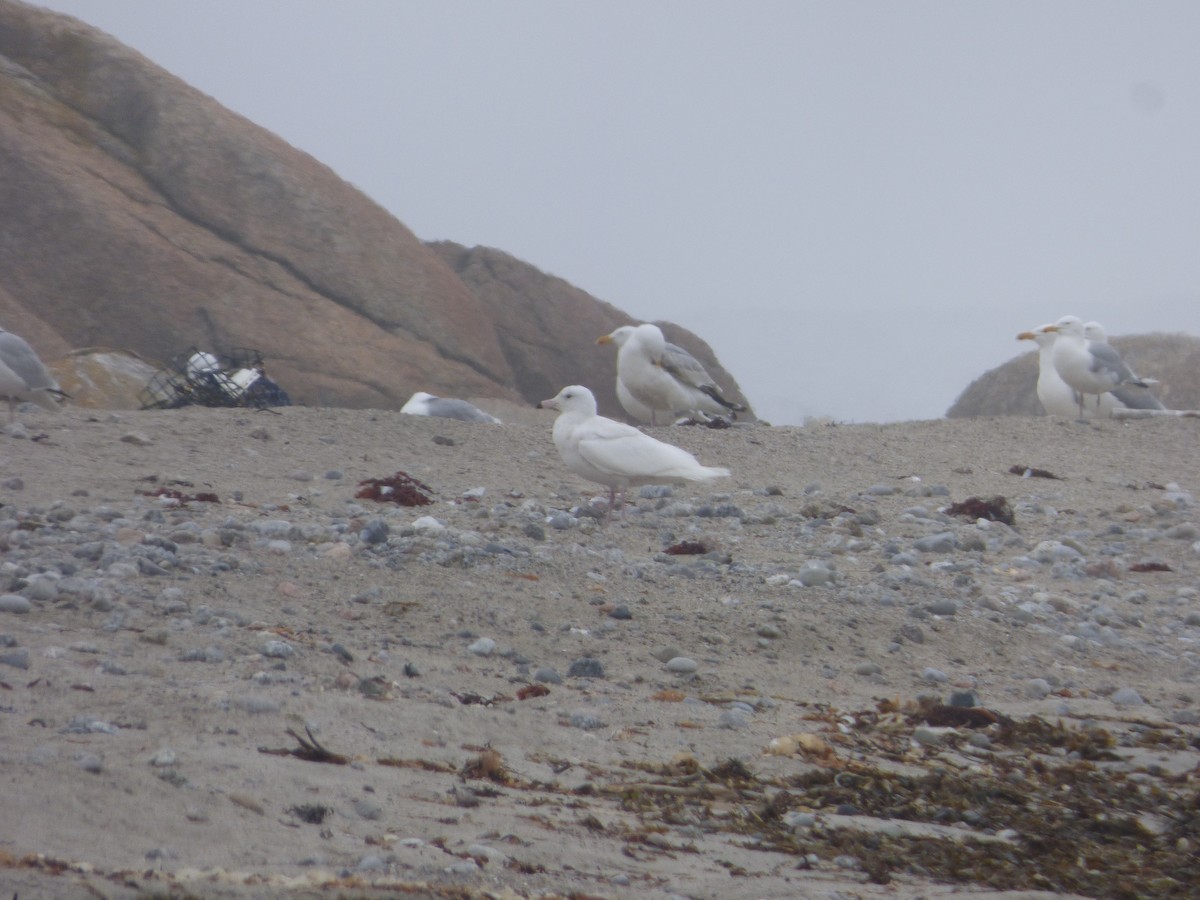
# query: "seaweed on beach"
x,y
400,488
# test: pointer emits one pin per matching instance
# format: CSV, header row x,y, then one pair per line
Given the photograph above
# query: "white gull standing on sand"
x,y
1089,367
423,404
662,379
1129,396
615,454
23,376
1059,399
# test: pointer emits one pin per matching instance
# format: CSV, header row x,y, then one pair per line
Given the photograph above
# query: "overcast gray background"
x,y
858,205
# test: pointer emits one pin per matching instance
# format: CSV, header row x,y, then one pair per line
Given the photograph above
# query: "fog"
x,y
858,205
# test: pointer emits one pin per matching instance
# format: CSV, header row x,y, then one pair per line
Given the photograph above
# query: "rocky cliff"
x,y
138,213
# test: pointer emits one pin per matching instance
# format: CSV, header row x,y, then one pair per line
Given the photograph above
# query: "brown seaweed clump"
x,y
400,488
996,509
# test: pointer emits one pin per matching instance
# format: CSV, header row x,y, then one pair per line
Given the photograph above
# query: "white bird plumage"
x,y
1057,397
23,376
658,381
1090,367
614,454
423,404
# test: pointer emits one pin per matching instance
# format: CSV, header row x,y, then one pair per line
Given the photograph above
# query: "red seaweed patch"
x,y
687,548
400,488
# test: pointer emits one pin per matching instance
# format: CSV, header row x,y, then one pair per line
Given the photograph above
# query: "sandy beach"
x,y
223,674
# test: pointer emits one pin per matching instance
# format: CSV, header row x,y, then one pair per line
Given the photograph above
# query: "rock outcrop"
x,y
1011,389
547,329
138,213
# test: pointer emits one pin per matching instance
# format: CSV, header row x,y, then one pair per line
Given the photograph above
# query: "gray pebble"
x,y
733,719
547,675
585,719
277,649
682,665
944,607
934,676
256,704
90,762
372,862
485,646
14,603
935,543
926,737
18,659
1037,688
375,532
621,612
1126,697
85,724
586,667
368,808
561,521
867,668
813,573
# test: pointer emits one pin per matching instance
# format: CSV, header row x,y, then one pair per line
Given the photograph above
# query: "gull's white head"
x,y
1070,326
573,398
1094,331
618,337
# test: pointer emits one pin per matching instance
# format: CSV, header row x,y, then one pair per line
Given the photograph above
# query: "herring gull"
x,y
1129,396
23,376
1057,397
1090,367
657,379
423,404
614,454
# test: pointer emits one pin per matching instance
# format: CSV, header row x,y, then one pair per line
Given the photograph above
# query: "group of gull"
x,y
658,382
1080,373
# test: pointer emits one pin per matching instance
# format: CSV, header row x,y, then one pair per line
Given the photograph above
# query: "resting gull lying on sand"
x,y
615,454
423,404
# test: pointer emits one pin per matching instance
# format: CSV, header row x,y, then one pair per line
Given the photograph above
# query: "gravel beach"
x,y
924,659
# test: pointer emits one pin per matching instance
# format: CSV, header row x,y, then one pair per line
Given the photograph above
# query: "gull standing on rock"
x,y
615,454
662,379
1089,367
23,376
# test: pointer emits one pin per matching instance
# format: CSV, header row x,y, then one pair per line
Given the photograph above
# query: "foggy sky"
x,y
857,204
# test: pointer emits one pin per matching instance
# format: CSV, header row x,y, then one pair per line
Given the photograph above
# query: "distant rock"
x,y
138,213
104,379
1011,389
548,328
